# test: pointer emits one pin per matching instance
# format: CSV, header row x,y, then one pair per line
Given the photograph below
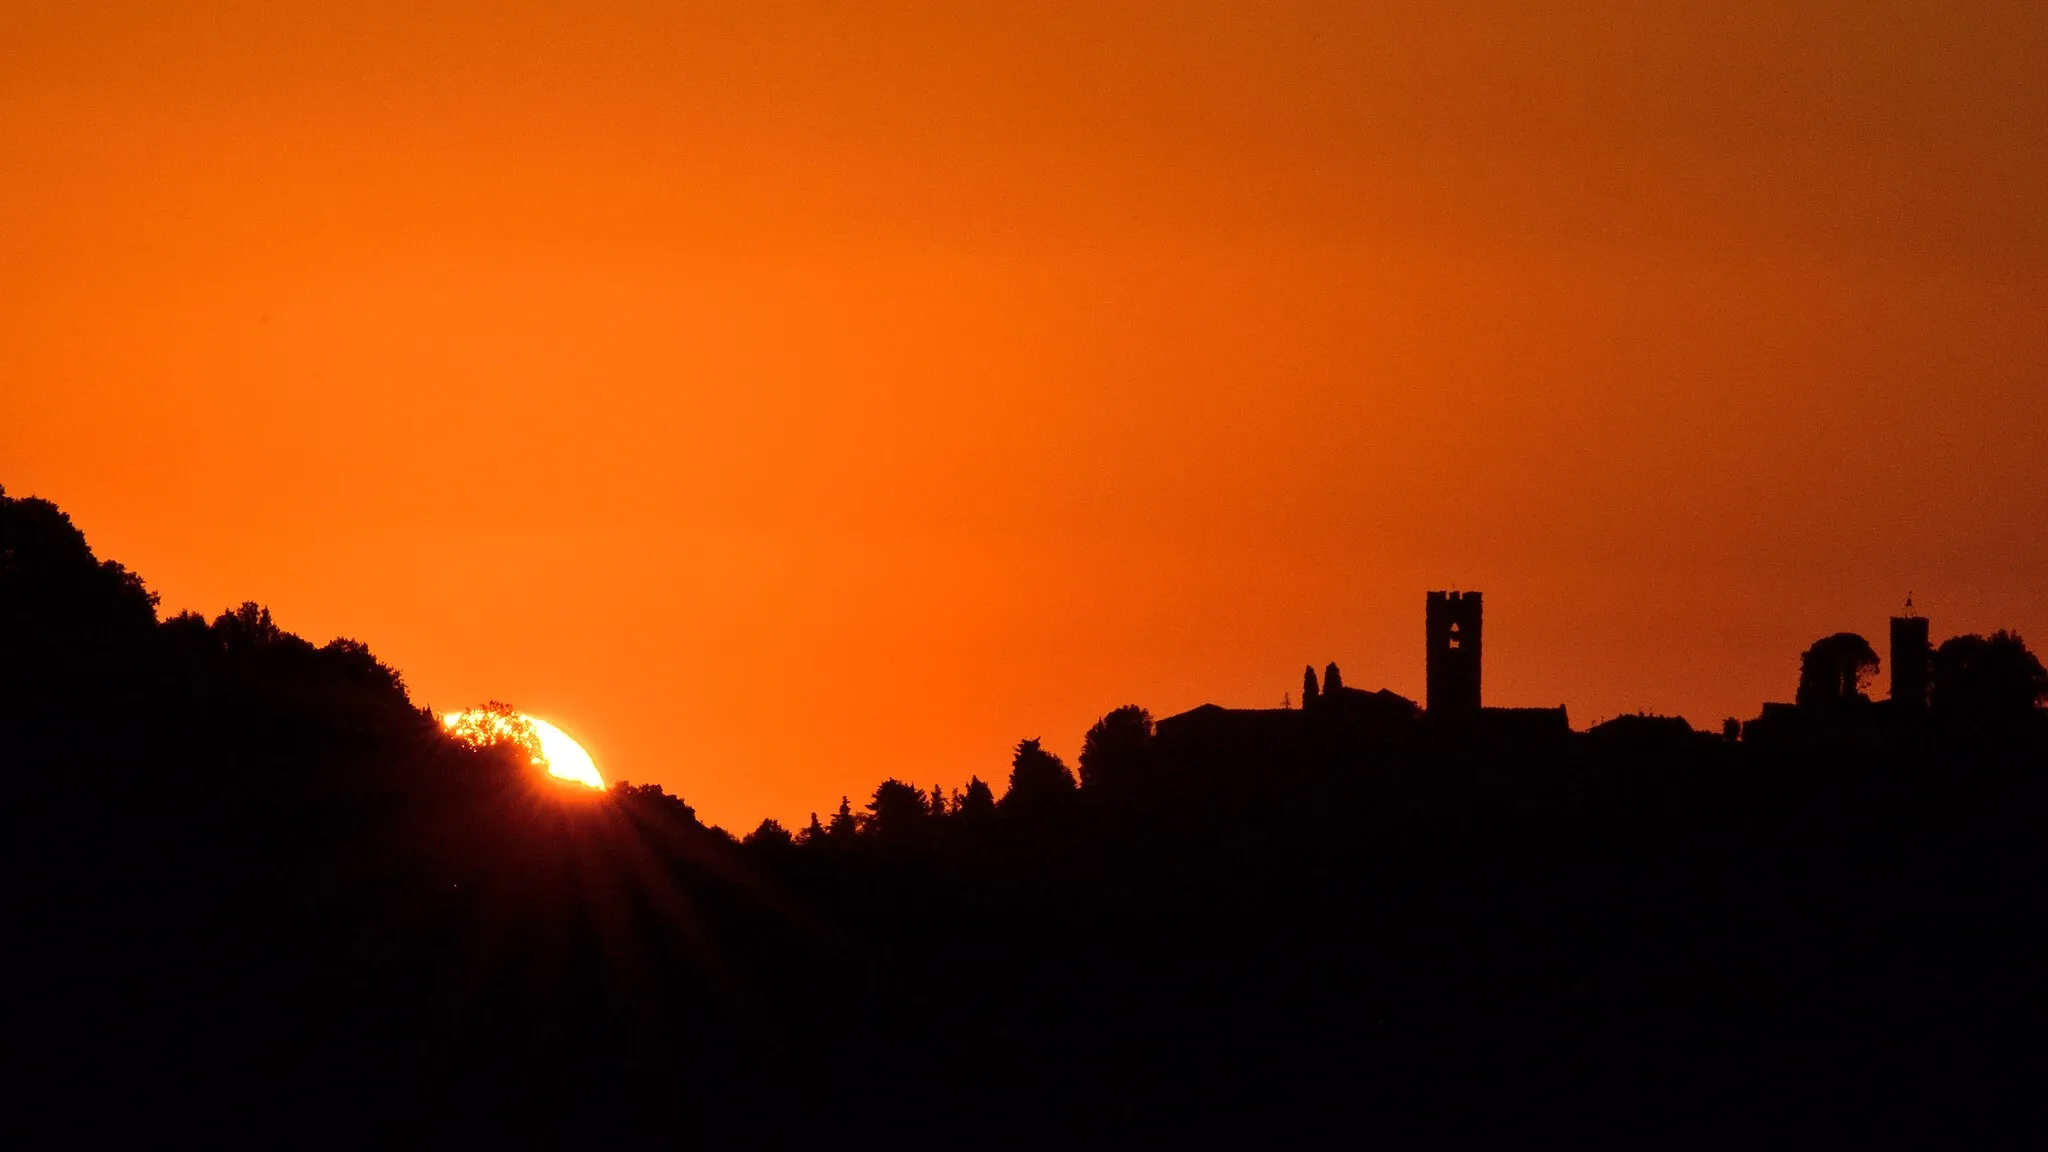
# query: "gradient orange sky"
x,y
782,396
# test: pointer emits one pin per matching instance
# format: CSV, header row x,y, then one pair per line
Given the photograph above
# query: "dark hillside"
x,y
266,899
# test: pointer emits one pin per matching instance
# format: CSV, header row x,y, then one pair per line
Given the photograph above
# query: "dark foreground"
x,y
261,898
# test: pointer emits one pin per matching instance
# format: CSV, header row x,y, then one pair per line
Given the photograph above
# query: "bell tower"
x,y
1452,621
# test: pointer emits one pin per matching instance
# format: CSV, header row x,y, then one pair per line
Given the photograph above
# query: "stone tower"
x,y
1452,667
1911,655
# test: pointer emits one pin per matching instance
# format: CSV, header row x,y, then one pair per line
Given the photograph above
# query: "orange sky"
x,y
779,396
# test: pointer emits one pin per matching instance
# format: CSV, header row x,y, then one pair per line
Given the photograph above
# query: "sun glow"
x,y
550,747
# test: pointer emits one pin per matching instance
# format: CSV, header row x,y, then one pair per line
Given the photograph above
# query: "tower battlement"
x,y
1452,622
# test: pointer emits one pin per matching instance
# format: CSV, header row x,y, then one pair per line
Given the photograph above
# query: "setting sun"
x,y
550,747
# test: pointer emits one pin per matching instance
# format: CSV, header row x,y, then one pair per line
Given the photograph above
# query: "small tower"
x,y
1911,656
1452,665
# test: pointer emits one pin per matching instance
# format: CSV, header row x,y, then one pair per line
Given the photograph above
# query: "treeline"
x,y
1973,684
271,901
1116,754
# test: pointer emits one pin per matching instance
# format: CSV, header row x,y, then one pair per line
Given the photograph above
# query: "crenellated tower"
x,y
1452,622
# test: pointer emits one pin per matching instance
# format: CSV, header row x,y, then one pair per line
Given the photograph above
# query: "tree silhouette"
x,y
844,825
1309,692
1117,749
975,805
652,798
1834,670
493,725
770,834
353,660
1333,680
1987,681
248,627
898,811
1039,780
813,833
59,605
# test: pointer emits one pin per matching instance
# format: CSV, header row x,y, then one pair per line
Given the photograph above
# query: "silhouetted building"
x,y
1452,621
1912,656
1236,735
1334,711
1832,711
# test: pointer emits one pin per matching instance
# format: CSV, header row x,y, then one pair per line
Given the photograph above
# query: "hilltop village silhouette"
x,y
1454,630
257,863
1831,698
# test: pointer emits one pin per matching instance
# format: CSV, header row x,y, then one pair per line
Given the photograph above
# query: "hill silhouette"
x,y
267,899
